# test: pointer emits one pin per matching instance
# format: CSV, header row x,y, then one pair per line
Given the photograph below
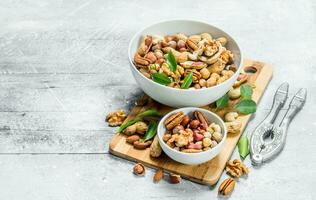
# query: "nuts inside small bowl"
x,y
191,135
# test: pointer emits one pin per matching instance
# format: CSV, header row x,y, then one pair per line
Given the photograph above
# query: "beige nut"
x,y
139,169
222,40
191,150
215,127
155,148
141,127
217,136
202,82
227,186
141,145
211,82
234,93
231,116
166,137
207,142
131,130
205,73
233,127
236,168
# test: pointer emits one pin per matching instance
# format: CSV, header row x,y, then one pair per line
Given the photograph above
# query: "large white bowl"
x,y
192,158
183,97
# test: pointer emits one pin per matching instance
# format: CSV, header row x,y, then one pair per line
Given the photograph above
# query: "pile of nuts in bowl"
x,y
191,135
201,56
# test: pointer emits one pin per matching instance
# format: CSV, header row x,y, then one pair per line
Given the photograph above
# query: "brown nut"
x,y
141,127
166,137
158,175
201,117
174,178
185,120
236,168
227,186
139,169
131,139
240,80
141,145
194,123
176,129
174,120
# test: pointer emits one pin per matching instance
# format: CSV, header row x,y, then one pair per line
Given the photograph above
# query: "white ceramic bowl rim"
x,y
224,131
179,20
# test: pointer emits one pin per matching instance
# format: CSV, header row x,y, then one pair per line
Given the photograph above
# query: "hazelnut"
x,y
177,129
139,169
234,93
194,123
205,73
202,82
174,178
185,120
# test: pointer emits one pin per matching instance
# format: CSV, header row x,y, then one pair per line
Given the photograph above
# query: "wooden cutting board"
x,y
209,172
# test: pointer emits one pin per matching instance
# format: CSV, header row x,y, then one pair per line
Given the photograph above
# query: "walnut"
x,y
116,118
236,168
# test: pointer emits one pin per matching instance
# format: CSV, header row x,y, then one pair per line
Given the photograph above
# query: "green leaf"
x,y
151,131
222,102
187,81
161,78
149,112
127,124
246,106
243,147
171,60
246,91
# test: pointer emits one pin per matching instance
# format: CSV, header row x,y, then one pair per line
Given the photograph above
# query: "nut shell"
x,y
139,169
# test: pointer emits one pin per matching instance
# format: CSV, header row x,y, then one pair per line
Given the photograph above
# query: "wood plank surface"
x,y
209,172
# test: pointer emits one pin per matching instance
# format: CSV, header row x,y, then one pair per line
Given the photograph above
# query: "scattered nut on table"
x,y
139,169
158,175
174,178
227,186
236,168
116,118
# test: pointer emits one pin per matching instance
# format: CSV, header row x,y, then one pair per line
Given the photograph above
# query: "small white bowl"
x,y
183,97
192,158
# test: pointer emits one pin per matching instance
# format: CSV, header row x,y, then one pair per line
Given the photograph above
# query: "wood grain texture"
x,y
209,172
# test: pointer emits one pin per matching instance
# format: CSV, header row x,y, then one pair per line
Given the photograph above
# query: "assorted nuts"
x,y
116,118
191,134
206,57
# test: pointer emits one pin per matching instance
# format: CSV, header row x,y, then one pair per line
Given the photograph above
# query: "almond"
x,y
158,176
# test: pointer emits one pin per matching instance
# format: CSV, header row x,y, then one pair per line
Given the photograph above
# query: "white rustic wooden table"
x,y
63,66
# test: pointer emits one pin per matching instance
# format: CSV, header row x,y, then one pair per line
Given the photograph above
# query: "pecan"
x,y
174,120
192,44
236,168
227,186
116,118
158,176
201,117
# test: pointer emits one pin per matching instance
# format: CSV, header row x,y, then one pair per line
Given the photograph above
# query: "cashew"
x,y
234,93
231,116
215,127
205,73
217,136
233,127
